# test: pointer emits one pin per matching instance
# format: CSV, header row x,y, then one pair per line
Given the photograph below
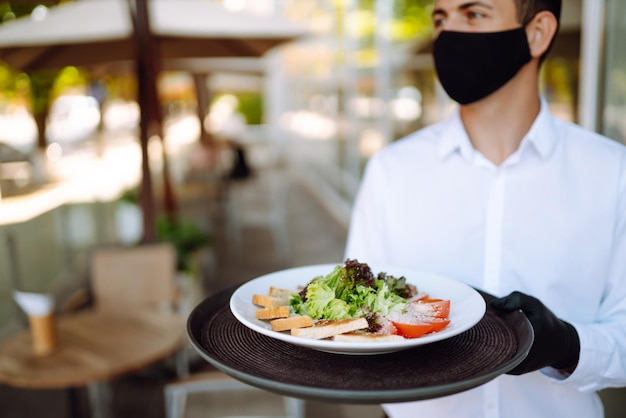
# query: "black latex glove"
x,y
556,342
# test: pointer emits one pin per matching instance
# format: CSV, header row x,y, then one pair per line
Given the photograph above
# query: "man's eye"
x,y
438,22
474,15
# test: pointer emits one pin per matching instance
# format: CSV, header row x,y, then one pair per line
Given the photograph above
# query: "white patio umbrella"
x,y
88,32
93,33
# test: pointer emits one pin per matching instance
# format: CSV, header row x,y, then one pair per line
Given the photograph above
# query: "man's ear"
x,y
540,32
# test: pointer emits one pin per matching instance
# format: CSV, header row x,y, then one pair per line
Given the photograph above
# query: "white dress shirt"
x,y
550,221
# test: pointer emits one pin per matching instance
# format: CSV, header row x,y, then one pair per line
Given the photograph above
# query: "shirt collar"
x,y
542,135
454,137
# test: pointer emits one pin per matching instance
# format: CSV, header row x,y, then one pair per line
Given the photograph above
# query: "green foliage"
x,y
251,106
48,84
12,9
122,87
44,85
130,196
186,236
6,13
41,84
412,19
69,78
7,83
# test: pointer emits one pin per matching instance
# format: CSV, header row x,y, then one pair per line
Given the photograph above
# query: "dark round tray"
x,y
495,345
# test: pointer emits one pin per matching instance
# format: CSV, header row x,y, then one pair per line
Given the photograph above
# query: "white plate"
x,y
467,307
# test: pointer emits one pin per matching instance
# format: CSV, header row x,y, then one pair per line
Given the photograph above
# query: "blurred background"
x,y
79,170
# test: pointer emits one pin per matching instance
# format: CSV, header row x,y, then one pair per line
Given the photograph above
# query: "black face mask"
x,y
472,65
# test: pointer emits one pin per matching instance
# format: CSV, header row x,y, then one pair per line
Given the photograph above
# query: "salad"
x,y
390,304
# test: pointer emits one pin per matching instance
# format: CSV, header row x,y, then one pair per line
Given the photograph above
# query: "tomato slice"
x,y
413,330
441,307
438,324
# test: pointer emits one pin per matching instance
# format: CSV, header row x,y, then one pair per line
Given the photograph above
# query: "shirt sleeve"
x,y
602,362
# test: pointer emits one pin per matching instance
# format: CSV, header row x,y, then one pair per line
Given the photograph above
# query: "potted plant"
x,y
186,235
128,217
192,246
188,240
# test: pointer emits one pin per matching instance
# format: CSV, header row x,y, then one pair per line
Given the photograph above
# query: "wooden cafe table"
x,y
93,347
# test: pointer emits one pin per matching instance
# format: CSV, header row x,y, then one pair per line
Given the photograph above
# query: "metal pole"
x,y
591,58
351,130
384,68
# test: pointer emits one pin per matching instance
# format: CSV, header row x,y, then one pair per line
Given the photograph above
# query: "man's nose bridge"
x,y
453,22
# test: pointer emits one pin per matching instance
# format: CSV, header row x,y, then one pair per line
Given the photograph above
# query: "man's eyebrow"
x,y
463,6
475,3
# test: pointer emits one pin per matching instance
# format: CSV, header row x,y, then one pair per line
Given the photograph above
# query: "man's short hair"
x,y
527,9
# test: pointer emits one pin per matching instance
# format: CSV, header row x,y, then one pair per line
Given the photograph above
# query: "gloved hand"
x,y
556,342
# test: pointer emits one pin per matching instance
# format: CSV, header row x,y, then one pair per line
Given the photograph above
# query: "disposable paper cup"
x,y
44,334
40,311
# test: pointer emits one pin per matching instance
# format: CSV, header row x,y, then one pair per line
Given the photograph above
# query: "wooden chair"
x,y
125,278
136,277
